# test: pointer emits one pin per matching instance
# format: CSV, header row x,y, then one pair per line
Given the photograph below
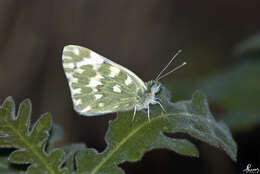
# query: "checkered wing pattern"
x,y
97,84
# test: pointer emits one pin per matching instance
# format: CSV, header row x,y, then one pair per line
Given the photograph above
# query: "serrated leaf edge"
x,y
107,157
28,101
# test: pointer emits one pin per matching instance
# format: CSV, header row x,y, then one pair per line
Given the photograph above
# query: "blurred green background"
x,y
220,42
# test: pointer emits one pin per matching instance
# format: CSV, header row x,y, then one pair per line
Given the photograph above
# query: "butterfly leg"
x,y
161,106
134,114
148,111
157,102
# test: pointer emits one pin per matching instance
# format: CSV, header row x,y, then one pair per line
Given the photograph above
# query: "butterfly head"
x,y
148,97
153,87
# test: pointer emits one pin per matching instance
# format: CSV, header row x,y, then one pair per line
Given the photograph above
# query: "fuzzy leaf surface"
x,y
6,168
127,141
29,140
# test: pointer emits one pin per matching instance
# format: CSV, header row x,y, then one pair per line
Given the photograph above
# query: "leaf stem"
x,y
108,156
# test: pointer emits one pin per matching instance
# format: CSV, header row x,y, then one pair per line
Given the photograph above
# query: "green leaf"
x,y
15,132
6,168
242,121
238,86
230,92
128,141
70,152
251,44
56,134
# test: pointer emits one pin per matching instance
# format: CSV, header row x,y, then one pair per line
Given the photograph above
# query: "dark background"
x,y
142,36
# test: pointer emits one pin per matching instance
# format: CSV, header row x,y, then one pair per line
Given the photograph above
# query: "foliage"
x,y
29,141
230,92
126,140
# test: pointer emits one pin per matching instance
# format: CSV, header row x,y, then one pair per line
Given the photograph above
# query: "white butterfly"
x,y
99,86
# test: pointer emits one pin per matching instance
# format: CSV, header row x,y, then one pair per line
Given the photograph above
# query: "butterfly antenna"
x,y
176,54
176,68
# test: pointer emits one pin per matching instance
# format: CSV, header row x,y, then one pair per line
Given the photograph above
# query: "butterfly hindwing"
x,y
97,84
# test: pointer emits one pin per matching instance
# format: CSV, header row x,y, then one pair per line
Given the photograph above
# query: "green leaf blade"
x,y
24,117
128,141
21,157
7,168
206,128
30,144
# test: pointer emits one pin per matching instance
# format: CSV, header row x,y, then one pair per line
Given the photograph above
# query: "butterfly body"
x,y
148,96
99,86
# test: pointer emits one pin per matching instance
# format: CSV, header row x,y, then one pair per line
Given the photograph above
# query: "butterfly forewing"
x,y
97,84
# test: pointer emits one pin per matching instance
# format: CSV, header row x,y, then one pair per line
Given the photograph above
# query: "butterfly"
x,y
99,86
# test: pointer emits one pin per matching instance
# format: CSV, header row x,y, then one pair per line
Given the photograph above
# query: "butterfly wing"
x,y
97,84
